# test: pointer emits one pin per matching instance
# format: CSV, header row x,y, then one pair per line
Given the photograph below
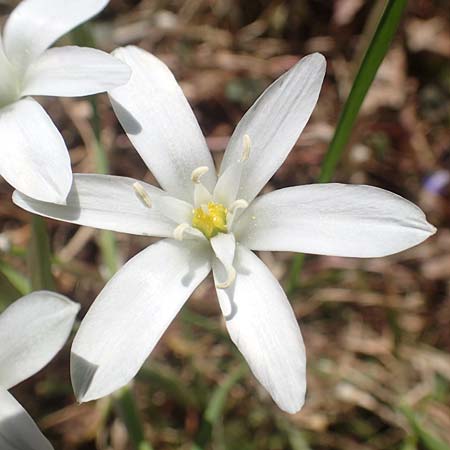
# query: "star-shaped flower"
x,y
32,331
214,222
34,156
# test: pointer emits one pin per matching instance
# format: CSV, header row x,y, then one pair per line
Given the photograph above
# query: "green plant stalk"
x,y
373,57
126,407
214,411
124,401
39,256
428,440
107,240
17,279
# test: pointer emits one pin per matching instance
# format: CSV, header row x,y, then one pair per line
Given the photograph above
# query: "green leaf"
x,y
39,256
20,282
427,439
126,406
373,57
216,406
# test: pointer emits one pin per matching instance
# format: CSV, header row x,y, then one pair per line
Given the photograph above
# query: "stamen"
x,y
247,143
178,233
238,204
142,194
231,276
198,173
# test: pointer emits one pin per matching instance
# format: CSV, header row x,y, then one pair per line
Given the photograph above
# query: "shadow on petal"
x,y
128,121
195,264
82,373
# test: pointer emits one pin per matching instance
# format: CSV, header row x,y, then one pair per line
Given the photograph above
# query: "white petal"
x,y
106,202
333,219
74,71
131,313
17,429
34,156
32,330
227,186
160,123
262,324
35,24
9,79
224,246
274,124
177,210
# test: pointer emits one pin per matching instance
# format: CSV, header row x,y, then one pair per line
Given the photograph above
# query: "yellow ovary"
x,y
210,219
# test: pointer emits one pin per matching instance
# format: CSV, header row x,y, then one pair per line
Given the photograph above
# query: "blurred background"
x,y
377,331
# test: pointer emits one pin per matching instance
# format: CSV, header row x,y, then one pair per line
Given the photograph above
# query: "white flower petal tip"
x,y
333,219
73,71
274,123
34,25
32,330
117,336
41,171
169,139
264,328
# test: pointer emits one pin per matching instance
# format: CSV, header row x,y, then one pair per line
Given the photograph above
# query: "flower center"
x,y
210,219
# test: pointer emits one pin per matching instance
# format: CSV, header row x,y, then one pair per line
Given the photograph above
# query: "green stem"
x,y
39,256
124,400
126,406
294,275
108,248
427,439
17,279
216,406
373,57
107,240
375,54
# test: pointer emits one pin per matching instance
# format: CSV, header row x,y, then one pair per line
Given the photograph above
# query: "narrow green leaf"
x,y
373,57
20,282
428,440
214,411
8,293
375,54
107,239
126,406
39,256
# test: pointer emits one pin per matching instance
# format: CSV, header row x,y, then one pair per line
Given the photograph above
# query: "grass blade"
x,y
428,440
373,57
39,256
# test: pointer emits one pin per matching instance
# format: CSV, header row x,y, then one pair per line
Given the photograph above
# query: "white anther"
x,y
142,194
247,143
230,278
238,204
179,231
198,173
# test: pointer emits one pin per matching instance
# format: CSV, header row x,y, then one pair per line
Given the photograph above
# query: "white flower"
x,y
32,330
34,156
213,222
